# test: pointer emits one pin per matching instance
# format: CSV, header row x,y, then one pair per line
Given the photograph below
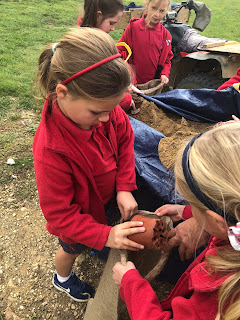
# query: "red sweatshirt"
x,y
195,295
71,197
150,47
231,81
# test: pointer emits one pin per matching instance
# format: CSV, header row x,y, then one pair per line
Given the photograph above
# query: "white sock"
x,y
63,279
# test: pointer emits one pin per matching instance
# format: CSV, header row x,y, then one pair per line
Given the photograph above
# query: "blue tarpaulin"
x,y
202,105
156,185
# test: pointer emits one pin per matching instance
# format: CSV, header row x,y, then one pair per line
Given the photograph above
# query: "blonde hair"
x,y
79,49
215,165
159,1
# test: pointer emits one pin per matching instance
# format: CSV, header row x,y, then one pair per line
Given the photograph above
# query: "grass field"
x,y
26,26
224,19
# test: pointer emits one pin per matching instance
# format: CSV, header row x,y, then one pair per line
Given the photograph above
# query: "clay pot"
x,y
155,235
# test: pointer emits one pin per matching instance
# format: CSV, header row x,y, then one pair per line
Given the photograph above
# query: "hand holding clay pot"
x,y
156,234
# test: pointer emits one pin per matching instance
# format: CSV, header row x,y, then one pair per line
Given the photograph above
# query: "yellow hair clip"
x,y
237,86
127,47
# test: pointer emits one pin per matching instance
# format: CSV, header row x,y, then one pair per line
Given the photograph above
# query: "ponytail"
x,y
108,8
90,13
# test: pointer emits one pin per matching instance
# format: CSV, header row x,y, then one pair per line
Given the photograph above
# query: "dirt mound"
x,y
177,130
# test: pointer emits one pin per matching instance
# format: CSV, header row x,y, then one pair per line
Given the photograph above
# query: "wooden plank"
x,y
219,44
127,15
227,48
183,15
212,45
124,21
137,13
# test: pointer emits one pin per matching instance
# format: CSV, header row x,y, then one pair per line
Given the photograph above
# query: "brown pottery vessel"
x,y
155,235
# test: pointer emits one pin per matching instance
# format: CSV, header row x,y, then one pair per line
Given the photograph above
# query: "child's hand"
x,y
133,105
164,79
226,122
174,211
235,118
118,236
189,236
134,89
119,270
126,204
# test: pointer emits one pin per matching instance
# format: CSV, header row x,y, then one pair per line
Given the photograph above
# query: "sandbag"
x,y
151,87
107,303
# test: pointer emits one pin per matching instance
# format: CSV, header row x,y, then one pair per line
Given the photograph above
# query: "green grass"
x,y
224,19
26,26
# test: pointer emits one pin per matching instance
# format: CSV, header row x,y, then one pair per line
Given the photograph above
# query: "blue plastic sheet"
x,y
156,184
202,105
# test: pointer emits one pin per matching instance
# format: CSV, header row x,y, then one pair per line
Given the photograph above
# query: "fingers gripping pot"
x,y
156,233
107,303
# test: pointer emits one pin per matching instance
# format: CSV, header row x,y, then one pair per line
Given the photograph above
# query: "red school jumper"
x,y
231,81
78,171
150,47
195,295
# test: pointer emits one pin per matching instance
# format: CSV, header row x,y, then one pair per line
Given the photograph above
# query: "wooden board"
x,y
123,22
183,15
137,13
127,15
228,47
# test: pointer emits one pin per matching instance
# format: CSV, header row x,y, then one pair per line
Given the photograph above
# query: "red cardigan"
x,y
231,81
195,295
150,47
69,198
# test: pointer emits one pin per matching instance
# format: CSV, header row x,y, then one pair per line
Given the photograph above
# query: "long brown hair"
x,y
79,49
109,8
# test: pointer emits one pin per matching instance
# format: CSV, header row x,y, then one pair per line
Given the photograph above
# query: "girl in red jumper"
x,y
231,81
83,151
207,176
150,43
104,14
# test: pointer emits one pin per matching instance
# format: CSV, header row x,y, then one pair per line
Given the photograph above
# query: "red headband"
x,y
95,65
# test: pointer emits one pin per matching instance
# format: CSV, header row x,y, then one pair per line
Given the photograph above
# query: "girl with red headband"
x,y
83,151
206,173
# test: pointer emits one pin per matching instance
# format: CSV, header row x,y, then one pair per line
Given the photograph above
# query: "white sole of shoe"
x,y
65,291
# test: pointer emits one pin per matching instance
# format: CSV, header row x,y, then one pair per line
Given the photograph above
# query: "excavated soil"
x,y
175,128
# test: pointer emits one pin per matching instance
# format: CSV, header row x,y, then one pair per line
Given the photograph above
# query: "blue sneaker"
x,y
75,288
